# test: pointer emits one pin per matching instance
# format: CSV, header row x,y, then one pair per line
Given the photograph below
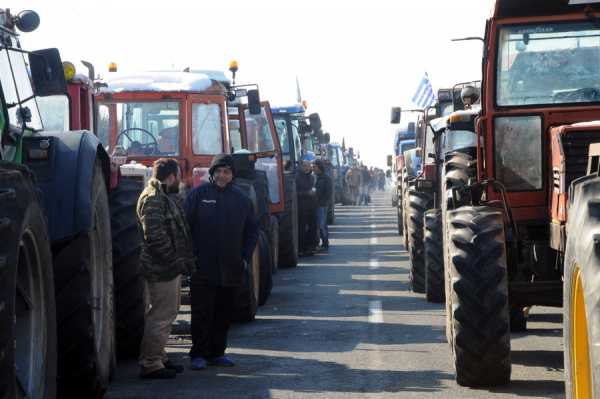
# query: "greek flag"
x,y
424,96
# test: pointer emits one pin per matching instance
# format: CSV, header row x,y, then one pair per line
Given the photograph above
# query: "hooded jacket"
x,y
224,232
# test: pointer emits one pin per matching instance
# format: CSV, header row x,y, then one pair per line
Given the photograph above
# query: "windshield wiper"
x,y
591,94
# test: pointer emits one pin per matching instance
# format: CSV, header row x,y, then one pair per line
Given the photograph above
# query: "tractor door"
x,y
261,139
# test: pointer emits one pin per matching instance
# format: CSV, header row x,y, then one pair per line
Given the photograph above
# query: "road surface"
x,y
345,325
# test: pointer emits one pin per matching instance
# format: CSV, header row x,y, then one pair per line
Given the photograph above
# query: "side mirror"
x,y
47,72
315,122
254,102
396,115
326,139
389,160
27,21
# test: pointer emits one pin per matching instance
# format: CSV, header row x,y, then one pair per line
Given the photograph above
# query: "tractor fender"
x,y
65,178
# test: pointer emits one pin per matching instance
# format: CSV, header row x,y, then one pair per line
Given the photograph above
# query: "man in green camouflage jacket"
x,y
166,254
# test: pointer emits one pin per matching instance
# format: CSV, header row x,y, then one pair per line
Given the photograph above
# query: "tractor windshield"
x,y
148,128
547,64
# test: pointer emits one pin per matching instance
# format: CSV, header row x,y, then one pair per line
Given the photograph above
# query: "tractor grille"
x,y
576,147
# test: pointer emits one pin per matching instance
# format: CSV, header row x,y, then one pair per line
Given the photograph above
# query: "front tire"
x,y
581,292
418,202
481,330
130,301
434,257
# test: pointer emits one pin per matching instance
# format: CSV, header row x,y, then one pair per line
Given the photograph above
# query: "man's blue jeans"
x,y
322,223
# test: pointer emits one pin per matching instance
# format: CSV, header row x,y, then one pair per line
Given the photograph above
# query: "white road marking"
x,y
374,264
375,312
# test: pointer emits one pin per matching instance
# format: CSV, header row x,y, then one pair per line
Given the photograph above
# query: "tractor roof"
x,y
530,8
162,81
291,109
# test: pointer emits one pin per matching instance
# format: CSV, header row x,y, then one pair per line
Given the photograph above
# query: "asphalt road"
x,y
345,325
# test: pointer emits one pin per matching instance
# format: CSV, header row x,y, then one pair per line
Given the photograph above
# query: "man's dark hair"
x,y
164,167
319,164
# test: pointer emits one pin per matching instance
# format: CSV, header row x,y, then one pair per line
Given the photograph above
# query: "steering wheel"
x,y
145,149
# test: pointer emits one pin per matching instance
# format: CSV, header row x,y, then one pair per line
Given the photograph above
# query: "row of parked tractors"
x,y
498,190
75,155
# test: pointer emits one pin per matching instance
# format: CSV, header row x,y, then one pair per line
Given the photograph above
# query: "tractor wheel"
x,y
247,295
288,226
400,220
130,301
459,167
434,261
274,243
481,330
581,308
83,281
418,202
331,214
27,304
266,268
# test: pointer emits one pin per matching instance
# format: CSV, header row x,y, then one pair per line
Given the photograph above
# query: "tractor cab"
x,y
178,114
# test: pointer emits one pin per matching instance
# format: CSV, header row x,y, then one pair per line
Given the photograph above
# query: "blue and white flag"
x,y
424,97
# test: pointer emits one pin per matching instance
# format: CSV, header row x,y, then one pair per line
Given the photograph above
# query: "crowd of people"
x,y
362,181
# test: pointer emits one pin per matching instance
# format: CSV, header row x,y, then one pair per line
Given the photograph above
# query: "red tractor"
x,y
506,237
182,115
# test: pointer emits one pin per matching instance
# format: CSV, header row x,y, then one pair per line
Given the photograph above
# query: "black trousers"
x,y
211,316
307,225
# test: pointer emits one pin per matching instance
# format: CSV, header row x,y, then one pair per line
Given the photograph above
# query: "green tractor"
x,y
56,277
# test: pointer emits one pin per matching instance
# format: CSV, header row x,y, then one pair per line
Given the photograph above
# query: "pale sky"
x,y
354,59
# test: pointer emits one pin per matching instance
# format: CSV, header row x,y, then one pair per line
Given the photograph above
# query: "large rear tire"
x,y
459,168
418,202
246,304
27,304
581,292
481,327
130,301
83,281
266,268
274,243
434,257
288,225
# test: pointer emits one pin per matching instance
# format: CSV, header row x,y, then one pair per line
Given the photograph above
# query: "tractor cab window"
x,y
258,131
282,133
296,139
54,111
18,92
235,135
518,152
207,135
148,128
553,63
103,125
332,155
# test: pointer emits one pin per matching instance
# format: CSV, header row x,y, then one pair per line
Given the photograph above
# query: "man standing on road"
x,y
364,188
324,188
353,180
166,254
307,207
225,232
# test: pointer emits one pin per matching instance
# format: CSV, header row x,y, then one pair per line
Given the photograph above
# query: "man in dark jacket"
x,y
307,207
166,254
225,232
324,188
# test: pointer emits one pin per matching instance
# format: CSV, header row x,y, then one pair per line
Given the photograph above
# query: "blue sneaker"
x,y
221,361
198,363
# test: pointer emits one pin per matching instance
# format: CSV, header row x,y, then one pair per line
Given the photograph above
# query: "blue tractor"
x,y
56,278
